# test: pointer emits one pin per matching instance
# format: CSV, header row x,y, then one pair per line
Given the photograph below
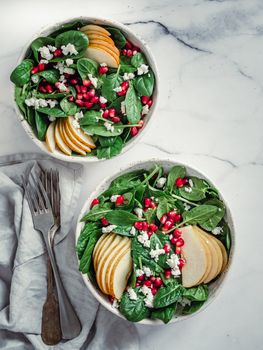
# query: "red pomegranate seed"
x,y
185,180
147,202
168,273
128,45
92,92
134,131
172,214
141,122
153,227
86,82
42,89
152,279
173,241
83,89
178,217
163,219
116,119
57,52
86,96
121,93
73,81
153,205
41,67
88,105
149,103
104,222
49,88
181,263
136,48
79,96
140,278
78,88
147,283
178,250
112,112
137,284
168,224
105,114
79,103
129,53
119,200
145,226
167,248
71,99
149,233
158,282
124,52
103,105
145,99
154,291
125,85
179,242
95,202
103,70
138,225
34,70
94,99
179,182
177,233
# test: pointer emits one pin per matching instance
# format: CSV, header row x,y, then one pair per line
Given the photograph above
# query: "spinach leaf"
x,y
74,37
41,125
84,236
20,99
112,150
117,103
30,115
97,212
138,59
117,36
54,112
121,218
158,241
199,214
163,207
107,141
212,222
144,84
52,95
128,203
133,105
190,309
165,314
90,118
123,230
199,293
86,258
100,130
134,310
174,173
39,42
110,83
67,107
21,74
150,215
139,193
140,253
167,295
51,75
197,192
87,66
126,68
67,26
225,236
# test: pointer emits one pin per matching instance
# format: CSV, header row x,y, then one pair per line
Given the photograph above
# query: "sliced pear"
x,y
93,27
218,252
224,254
209,258
101,56
106,49
79,134
74,139
60,142
50,137
103,43
98,245
102,249
195,255
99,36
68,141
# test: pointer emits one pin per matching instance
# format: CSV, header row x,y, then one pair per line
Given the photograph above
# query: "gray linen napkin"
x,y
23,266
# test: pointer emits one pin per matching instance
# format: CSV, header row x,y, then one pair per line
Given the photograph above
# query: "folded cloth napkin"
x,y
23,266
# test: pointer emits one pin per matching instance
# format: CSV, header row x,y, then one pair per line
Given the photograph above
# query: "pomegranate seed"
x,y
57,52
179,182
145,99
78,89
173,241
95,202
185,180
138,225
104,222
172,214
150,233
105,114
73,81
168,224
181,263
168,273
134,131
122,93
158,282
86,82
153,205
179,242
140,278
154,291
79,96
147,283
71,99
42,89
86,96
129,53
125,85
94,99
112,112
152,279
116,119
44,81
178,250
57,84
119,200
79,103
88,105
92,92
103,70
83,89
145,226
34,70
177,233
153,227
137,284
145,209
128,45
124,52
103,105
67,76
41,67
49,88
136,48
163,219
141,122
178,217
147,202
149,103
167,248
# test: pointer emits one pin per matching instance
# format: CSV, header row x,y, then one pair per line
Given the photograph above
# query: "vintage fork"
x,y
43,221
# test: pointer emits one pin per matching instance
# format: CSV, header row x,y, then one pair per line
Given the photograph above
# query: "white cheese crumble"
x,y
143,238
51,118
62,87
70,71
103,99
188,189
217,230
108,228
148,301
35,79
155,253
63,69
173,262
115,304
161,182
132,294
123,107
147,271
52,103
118,89
187,206
109,126
128,76
69,61
145,109
138,212
133,231
51,48
37,103
143,69
69,49
94,81
139,272
79,115
113,198
184,301
44,61
45,53
75,124
191,184
103,64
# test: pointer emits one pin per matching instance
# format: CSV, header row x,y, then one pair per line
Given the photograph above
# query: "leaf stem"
x,y
150,175
185,200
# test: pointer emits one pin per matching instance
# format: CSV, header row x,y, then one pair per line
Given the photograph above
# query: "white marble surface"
x,y
210,58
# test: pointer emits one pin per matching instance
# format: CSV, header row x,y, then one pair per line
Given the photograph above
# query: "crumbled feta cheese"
x,y
51,48
145,109
191,184
113,198
37,103
109,126
187,206
147,271
145,290
139,272
118,89
188,189
103,99
161,182
108,228
75,124
138,212
143,69
60,67
217,230
128,76
35,79
52,103
79,115
42,102
62,78
173,262
69,61
133,231
123,107
154,253
143,238
69,49
134,52
103,64
70,71
115,304
51,118
45,53
62,87
94,81
44,61
148,301
132,294
184,301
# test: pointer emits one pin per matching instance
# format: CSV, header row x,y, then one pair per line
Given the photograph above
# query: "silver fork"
x,y
43,221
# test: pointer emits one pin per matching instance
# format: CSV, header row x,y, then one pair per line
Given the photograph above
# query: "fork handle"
x,y
70,324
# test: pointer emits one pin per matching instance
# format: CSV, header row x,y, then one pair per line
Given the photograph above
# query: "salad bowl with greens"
x,y
85,89
155,242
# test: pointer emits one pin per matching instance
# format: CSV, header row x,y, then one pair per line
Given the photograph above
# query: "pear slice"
x,y
74,139
209,258
103,43
60,142
98,245
103,248
93,27
195,255
224,254
101,56
50,137
106,49
99,36
218,252
79,134
68,141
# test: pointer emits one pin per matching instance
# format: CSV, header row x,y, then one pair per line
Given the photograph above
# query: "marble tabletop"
x,y
209,55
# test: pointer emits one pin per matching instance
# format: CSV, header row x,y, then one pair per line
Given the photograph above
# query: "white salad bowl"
x,y
130,35
214,287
